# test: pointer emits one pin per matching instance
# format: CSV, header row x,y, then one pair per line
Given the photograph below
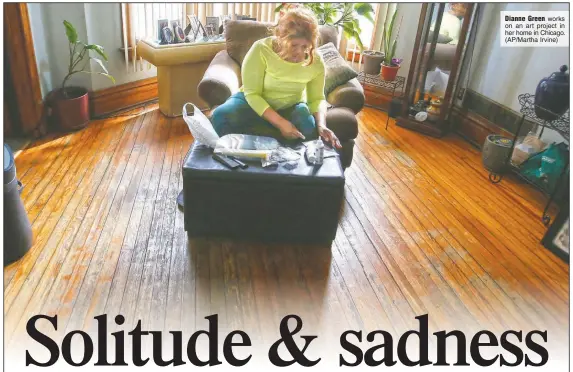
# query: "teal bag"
x,y
545,168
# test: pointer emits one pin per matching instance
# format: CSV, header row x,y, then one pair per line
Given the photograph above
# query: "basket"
x,y
495,152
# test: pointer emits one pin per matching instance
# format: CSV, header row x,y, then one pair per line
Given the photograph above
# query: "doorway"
x,y
23,106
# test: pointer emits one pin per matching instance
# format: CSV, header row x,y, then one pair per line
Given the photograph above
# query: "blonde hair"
x,y
297,23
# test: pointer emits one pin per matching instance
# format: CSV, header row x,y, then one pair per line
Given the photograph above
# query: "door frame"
x,y
19,49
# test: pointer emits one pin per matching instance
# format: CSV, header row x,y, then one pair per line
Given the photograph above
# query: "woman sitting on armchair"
x,y
283,86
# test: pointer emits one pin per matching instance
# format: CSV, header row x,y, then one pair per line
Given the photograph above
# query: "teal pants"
x,y
236,116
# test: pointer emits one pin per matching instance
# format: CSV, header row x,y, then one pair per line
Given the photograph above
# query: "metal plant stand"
x,y
560,124
377,81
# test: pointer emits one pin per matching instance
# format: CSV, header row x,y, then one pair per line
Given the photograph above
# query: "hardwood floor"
x,y
422,231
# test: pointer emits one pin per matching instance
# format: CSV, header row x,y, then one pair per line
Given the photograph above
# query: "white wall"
x,y
407,37
502,73
97,23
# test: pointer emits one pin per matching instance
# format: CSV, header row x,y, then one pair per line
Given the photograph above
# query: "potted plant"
x,y
390,64
70,104
372,61
338,15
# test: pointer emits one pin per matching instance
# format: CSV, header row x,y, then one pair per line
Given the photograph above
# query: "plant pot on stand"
x,y
372,61
389,73
71,108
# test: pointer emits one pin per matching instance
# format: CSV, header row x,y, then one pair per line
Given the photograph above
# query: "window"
x,y
371,33
139,20
366,36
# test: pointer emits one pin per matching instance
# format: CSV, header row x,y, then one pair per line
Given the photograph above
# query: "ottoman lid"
x,y
200,164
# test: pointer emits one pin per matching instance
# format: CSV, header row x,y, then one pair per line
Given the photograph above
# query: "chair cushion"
x,y
338,71
328,34
241,35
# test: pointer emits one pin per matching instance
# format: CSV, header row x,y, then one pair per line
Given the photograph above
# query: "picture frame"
x,y
557,237
211,32
161,24
179,35
245,18
213,22
195,27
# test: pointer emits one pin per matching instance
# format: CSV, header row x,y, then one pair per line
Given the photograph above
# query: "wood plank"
x,y
485,197
248,307
448,264
155,243
40,187
85,243
372,312
145,206
124,287
452,249
178,244
71,228
446,198
89,234
230,277
484,216
89,299
423,229
265,292
48,223
58,229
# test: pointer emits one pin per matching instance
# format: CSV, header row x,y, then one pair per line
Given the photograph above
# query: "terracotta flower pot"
x,y
71,110
388,73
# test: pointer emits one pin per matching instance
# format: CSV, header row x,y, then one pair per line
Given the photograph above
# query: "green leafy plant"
x,y
344,15
389,44
78,50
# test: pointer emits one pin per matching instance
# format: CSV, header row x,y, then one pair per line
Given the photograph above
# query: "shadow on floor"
x,y
256,284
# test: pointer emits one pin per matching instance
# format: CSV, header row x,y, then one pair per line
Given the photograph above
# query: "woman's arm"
x,y
253,75
317,106
288,130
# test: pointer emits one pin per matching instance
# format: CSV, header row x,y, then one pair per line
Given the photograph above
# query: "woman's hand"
x,y
289,131
328,136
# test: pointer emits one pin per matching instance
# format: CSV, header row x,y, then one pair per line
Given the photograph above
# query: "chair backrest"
x,y
241,35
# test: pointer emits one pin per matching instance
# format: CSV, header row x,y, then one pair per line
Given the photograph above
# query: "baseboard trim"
x,y
118,98
474,128
480,116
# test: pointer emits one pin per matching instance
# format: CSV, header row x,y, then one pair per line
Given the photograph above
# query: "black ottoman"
x,y
300,205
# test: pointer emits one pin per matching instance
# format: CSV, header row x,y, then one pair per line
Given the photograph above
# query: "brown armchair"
x,y
223,78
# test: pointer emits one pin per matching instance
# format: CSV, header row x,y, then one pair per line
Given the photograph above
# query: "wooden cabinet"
x,y
441,41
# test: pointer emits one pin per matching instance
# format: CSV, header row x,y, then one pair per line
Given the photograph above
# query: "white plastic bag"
x,y
199,125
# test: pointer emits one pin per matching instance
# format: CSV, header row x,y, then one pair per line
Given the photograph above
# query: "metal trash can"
x,y
18,235
495,151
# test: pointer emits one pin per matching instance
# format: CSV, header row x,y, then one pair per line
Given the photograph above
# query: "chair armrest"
x,y
350,94
221,80
343,122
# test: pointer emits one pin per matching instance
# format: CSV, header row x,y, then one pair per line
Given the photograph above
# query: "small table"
x,y
301,205
377,81
180,68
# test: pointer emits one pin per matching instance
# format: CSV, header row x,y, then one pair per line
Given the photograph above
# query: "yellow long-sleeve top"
x,y
270,81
